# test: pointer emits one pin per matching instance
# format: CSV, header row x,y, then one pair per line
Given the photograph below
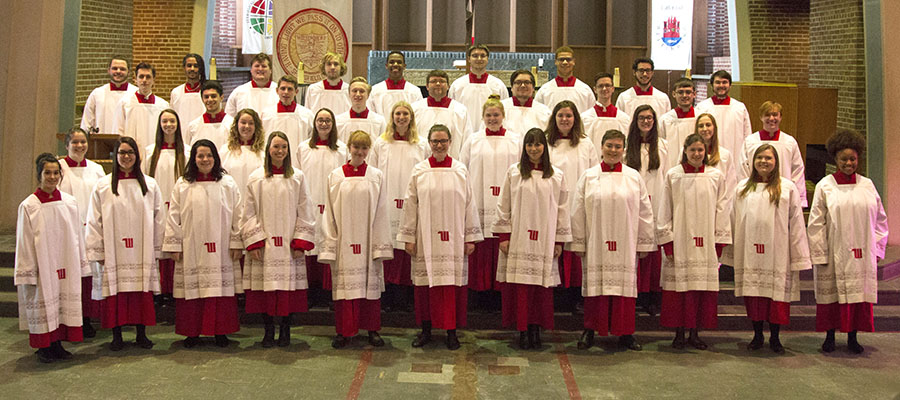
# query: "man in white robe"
x,y
438,108
359,117
331,92
522,112
214,124
566,86
604,115
137,116
473,89
257,94
731,115
289,117
790,161
680,122
643,92
393,89
100,109
185,98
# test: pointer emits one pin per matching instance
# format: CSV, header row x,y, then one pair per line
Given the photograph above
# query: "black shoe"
x,y
587,339
268,336
222,341
828,346
87,329
776,346
524,340
144,343
44,355
679,343
628,342
854,347
536,337
756,343
339,341
191,341
375,339
697,343
422,339
452,340
58,352
284,335
116,345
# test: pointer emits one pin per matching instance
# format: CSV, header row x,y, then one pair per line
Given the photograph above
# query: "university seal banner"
x,y
671,41
306,30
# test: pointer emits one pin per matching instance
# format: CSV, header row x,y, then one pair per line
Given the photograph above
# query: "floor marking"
x,y
360,376
568,375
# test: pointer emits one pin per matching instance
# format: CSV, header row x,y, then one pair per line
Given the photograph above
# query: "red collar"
x,y
363,115
475,79
398,137
689,169
45,197
276,170
122,175
527,103
335,87
606,168
121,88
443,164
166,146
609,112
391,85
444,103
254,85
246,143
72,163
569,82
638,91
489,132
321,142
723,102
201,177
681,114
189,89
843,179
210,119
350,170
151,99
287,109
765,135
536,167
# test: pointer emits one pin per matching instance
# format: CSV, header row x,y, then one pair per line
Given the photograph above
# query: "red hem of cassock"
x,y
691,309
526,304
444,306
352,315
166,275
399,270
649,273
846,317
90,308
609,314
208,316
67,333
127,308
483,265
766,309
570,269
277,303
318,274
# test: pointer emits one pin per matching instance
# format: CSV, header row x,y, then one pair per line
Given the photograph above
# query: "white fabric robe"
x,y
396,159
278,210
573,161
114,223
732,121
473,96
612,221
693,211
240,164
336,100
770,245
316,164
790,161
247,96
188,105
50,261
137,120
439,202
382,99
628,101
487,158
100,108
373,124
203,224
846,221
522,119
595,127
79,182
356,234
296,125
581,94
216,132
675,130
535,212
165,171
454,117
655,180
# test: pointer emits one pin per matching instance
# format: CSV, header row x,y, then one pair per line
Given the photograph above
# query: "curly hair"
x,y
845,139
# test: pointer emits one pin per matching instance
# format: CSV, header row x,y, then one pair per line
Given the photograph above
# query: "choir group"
x,y
381,193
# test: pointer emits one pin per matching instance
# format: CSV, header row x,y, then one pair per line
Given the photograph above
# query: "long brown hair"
x,y
633,142
577,128
535,135
712,148
773,183
234,137
332,135
160,139
267,165
136,170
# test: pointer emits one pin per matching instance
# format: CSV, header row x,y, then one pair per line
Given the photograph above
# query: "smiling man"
x,y
677,124
100,108
473,89
603,116
214,123
137,115
522,112
393,89
331,92
257,94
790,161
437,108
643,92
185,98
731,115
289,117
566,86
359,117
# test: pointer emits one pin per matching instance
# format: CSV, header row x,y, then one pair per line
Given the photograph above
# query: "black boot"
x,y
423,337
854,345
536,337
87,329
191,341
774,340
221,340
117,343
828,345
339,341
268,332
44,355
586,340
58,352
679,343
525,339
628,342
284,332
375,339
655,298
758,338
695,341
452,339
141,338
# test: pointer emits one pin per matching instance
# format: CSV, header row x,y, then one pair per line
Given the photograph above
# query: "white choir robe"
x,y
535,214
612,222
296,124
334,98
277,210
382,98
187,103
203,224
240,163
693,215
790,160
726,165
356,231
487,158
523,117
79,182
629,100
50,261
372,123
473,94
205,127
655,180
732,122
596,123
316,164
556,90
165,171
770,243
101,107
573,161
396,159
675,130
125,233
453,116
250,96
848,232
439,216
139,120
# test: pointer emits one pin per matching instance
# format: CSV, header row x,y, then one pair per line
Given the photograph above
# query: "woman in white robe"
x,y
203,235
357,239
720,158
277,207
532,224
244,148
848,234
770,247
50,263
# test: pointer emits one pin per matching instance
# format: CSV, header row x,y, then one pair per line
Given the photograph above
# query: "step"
x,y
888,293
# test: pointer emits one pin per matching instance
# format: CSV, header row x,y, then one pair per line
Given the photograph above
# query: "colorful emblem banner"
x,y
258,27
670,36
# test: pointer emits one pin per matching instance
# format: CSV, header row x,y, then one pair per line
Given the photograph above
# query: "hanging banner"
x,y
257,27
307,29
670,39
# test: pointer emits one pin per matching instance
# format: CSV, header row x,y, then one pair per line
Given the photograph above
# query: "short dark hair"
x,y
144,65
601,75
684,82
720,74
477,47
440,128
41,160
639,60
845,139
262,57
399,53
512,78
437,73
212,85
117,57
613,134
289,79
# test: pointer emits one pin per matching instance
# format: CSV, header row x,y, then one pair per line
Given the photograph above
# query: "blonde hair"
x,y
712,149
412,136
773,184
769,106
333,56
493,101
360,79
359,139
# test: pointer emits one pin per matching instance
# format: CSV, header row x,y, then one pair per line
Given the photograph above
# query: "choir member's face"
x,y
169,123
705,128
358,94
323,125
684,96
278,150
192,69
286,92
144,80
603,88
395,66
721,86
478,59
261,71
126,157
77,147
401,119
565,119
440,144
50,177
246,127
847,161
332,69
358,153
644,74
771,121
493,118
522,87
437,87
535,151
565,64
205,160
118,71
696,152
612,150
212,100
764,163
646,121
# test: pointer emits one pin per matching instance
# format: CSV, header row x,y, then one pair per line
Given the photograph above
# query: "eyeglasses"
x,y
126,152
644,70
522,83
437,82
565,59
645,118
604,86
439,141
